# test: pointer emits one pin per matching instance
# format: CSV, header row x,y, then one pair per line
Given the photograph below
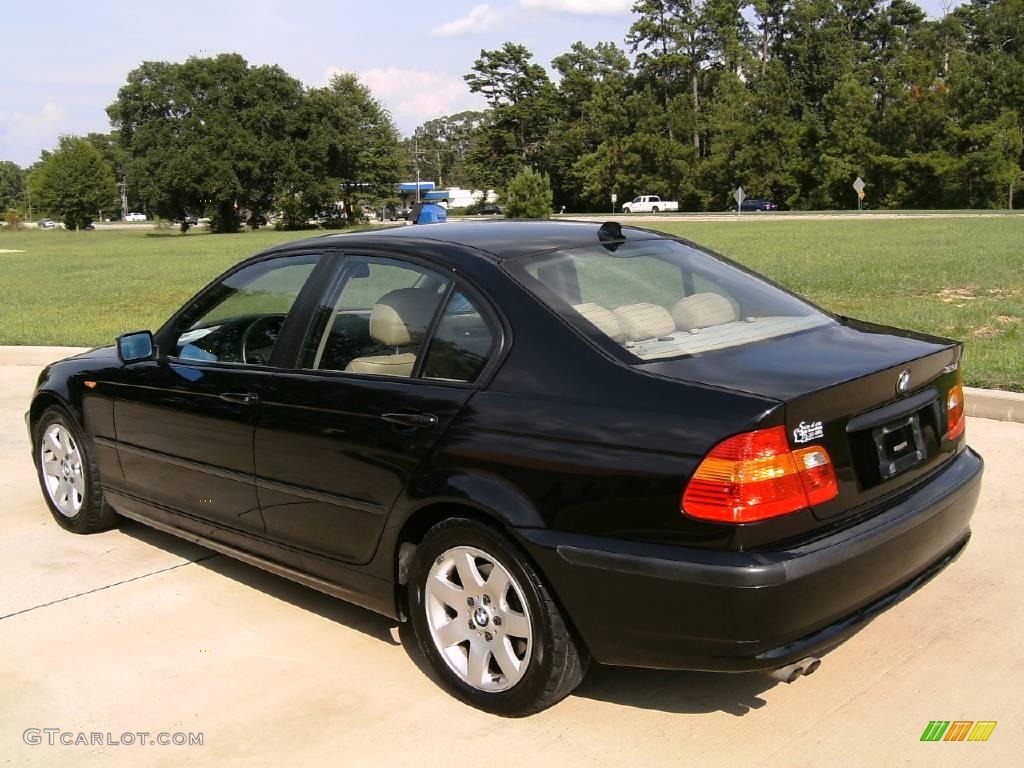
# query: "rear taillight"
x,y
755,476
956,419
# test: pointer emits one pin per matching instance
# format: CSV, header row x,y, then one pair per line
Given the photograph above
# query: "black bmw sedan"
x,y
540,443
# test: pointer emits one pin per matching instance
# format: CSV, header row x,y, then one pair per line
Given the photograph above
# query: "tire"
x,y
627,210
519,625
654,209
73,493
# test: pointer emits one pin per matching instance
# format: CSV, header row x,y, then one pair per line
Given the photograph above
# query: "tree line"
x,y
792,99
221,138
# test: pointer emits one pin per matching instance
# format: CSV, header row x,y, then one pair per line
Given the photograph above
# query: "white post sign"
x,y
739,196
858,187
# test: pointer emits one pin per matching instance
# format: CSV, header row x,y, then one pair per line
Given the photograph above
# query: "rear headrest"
x,y
400,318
603,318
645,321
702,310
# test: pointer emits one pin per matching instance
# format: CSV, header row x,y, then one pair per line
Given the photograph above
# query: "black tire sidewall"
x,y
522,697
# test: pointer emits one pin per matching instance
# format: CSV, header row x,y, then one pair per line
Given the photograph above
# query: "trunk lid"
x,y
839,383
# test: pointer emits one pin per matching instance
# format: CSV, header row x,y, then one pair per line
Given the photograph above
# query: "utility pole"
x,y
123,186
416,162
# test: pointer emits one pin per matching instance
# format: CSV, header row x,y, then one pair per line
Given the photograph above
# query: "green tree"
x,y
75,181
585,145
523,107
343,148
12,185
209,134
442,146
528,196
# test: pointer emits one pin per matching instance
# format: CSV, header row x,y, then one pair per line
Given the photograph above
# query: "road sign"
x,y
615,198
739,196
858,186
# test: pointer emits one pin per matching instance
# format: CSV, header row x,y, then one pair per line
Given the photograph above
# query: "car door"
x,y
392,353
184,422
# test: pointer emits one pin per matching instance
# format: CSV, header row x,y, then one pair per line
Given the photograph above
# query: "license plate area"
x,y
900,445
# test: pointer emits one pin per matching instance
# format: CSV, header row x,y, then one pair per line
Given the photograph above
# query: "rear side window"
x,y
660,299
374,323
462,343
390,317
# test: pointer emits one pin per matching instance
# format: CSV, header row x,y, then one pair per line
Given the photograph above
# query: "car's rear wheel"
x,y
487,623
67,474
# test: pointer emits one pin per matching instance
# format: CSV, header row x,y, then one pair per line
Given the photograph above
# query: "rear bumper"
x,y
649,605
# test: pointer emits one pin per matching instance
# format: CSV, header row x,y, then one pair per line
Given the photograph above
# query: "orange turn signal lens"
x,y
956,419
755,476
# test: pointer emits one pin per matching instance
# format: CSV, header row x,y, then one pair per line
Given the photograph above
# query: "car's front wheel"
x,y
487,624
67,474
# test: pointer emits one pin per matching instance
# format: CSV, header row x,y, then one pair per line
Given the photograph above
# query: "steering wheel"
x,y
261,334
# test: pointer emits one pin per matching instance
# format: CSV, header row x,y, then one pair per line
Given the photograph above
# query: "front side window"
x,y
240,319
661,299
376,319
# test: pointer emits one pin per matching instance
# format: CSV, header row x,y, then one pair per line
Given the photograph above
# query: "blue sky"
x,y
61,62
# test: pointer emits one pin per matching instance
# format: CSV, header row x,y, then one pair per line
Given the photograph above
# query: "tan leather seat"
x,y
702,310
644,321
399,319
603,318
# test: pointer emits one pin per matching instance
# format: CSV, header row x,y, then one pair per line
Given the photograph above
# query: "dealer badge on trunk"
x,y
807,431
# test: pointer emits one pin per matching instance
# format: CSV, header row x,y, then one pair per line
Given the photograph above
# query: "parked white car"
x,y
133,217
649,204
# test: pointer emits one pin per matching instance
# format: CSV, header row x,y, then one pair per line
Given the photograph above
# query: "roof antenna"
x,y
610,235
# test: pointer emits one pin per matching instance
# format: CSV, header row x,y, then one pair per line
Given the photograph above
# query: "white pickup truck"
x,y
649,204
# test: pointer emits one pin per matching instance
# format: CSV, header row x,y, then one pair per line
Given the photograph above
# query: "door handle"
x,y
240,398
414,420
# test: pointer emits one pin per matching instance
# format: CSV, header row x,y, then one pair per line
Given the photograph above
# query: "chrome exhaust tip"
x,y
811,664
790,672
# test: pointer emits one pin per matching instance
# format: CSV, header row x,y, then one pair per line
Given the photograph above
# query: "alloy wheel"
x,y
478,618
63,475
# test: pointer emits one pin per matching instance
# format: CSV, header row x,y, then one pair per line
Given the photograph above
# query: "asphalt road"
x,y
133,630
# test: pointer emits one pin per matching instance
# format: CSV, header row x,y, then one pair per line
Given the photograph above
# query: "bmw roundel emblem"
x,y
903,382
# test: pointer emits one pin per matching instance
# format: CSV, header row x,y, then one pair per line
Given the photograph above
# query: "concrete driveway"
x,y
135,631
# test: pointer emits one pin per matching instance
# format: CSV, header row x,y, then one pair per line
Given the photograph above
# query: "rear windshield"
x,y
659,299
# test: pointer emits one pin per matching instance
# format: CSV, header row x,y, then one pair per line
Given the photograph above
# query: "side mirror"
x,y
135,347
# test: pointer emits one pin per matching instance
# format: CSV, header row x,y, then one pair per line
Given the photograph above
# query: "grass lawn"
x,y
962,278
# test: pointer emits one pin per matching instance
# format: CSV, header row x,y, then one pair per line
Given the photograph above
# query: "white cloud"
x,y
480,18
580,7
23,134
415,95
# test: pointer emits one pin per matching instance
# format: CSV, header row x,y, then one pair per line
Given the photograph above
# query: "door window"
x,y
240,319
375,322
